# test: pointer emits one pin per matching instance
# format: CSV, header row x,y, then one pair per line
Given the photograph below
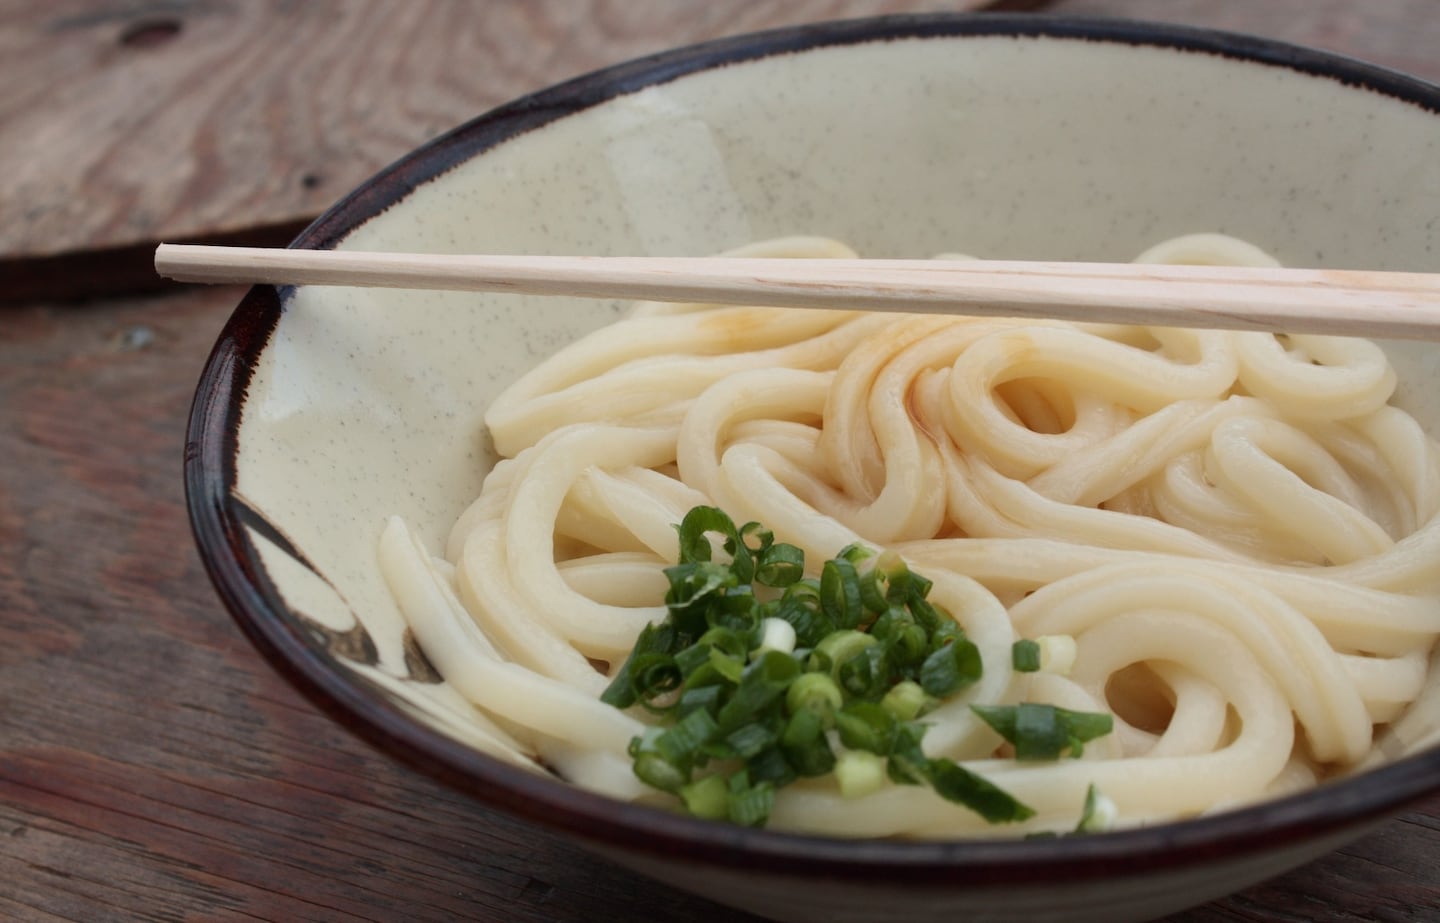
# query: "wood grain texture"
x,y
132,122
152,767
140,121
127,122
1399,34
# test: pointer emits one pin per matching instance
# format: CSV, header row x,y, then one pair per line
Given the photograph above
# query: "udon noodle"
x,y
1237,531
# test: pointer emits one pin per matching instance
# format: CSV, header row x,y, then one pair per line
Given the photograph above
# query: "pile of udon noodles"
x,y
1236,529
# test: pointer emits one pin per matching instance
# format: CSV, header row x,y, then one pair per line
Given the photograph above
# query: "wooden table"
x,y
152,766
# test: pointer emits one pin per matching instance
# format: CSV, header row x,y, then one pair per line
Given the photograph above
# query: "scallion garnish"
x,y
951,667
1025,656
840,598
759,686
906,700
1044,732
859,773
805,745
1098,814
707,797
815,692
749,805
866,726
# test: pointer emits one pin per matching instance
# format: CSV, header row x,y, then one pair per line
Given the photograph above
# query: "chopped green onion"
x,y
707,797
780,566
681,742
731,668
906,701
887,580
859,773
840,593
657,772
738,715
700,697
694,545
1043,732
653,639
1099,812
916,587
815,692
763,538
1083,727
951,668
956,783
873,587
750,805
946,629
775,635
705,675
653,676
805,745
735,610
691,659
801,610
1025,656
806,589
839,647
727,640
770,765
866,726
750,739
867,674
1038,733
908,763
764,680
927,615
909,643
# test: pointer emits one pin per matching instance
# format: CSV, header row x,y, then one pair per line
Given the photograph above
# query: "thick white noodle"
x,y
1237,531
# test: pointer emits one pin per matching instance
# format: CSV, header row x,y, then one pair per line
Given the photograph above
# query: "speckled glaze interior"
x,y
322,411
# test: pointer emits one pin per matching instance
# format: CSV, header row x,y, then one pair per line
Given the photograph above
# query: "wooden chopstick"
x,y
1330,301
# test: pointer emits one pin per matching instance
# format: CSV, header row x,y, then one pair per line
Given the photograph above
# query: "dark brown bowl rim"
x,y
219,522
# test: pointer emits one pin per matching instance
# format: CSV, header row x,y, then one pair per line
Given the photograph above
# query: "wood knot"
x,y
149,33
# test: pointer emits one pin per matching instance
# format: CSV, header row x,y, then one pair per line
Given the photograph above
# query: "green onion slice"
x,y
840,593
954,782
1025,656
780,565
763,681
1044,732
951,668
866,726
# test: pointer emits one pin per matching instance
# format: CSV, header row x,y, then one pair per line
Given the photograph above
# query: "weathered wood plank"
x,y
1399,34
130,122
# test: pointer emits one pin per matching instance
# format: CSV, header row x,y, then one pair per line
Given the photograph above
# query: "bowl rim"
x,y
220,521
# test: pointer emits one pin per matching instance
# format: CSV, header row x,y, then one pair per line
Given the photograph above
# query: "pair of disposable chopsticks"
x,y
1328,301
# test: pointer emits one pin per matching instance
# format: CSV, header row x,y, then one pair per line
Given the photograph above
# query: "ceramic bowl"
x,y
323,411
